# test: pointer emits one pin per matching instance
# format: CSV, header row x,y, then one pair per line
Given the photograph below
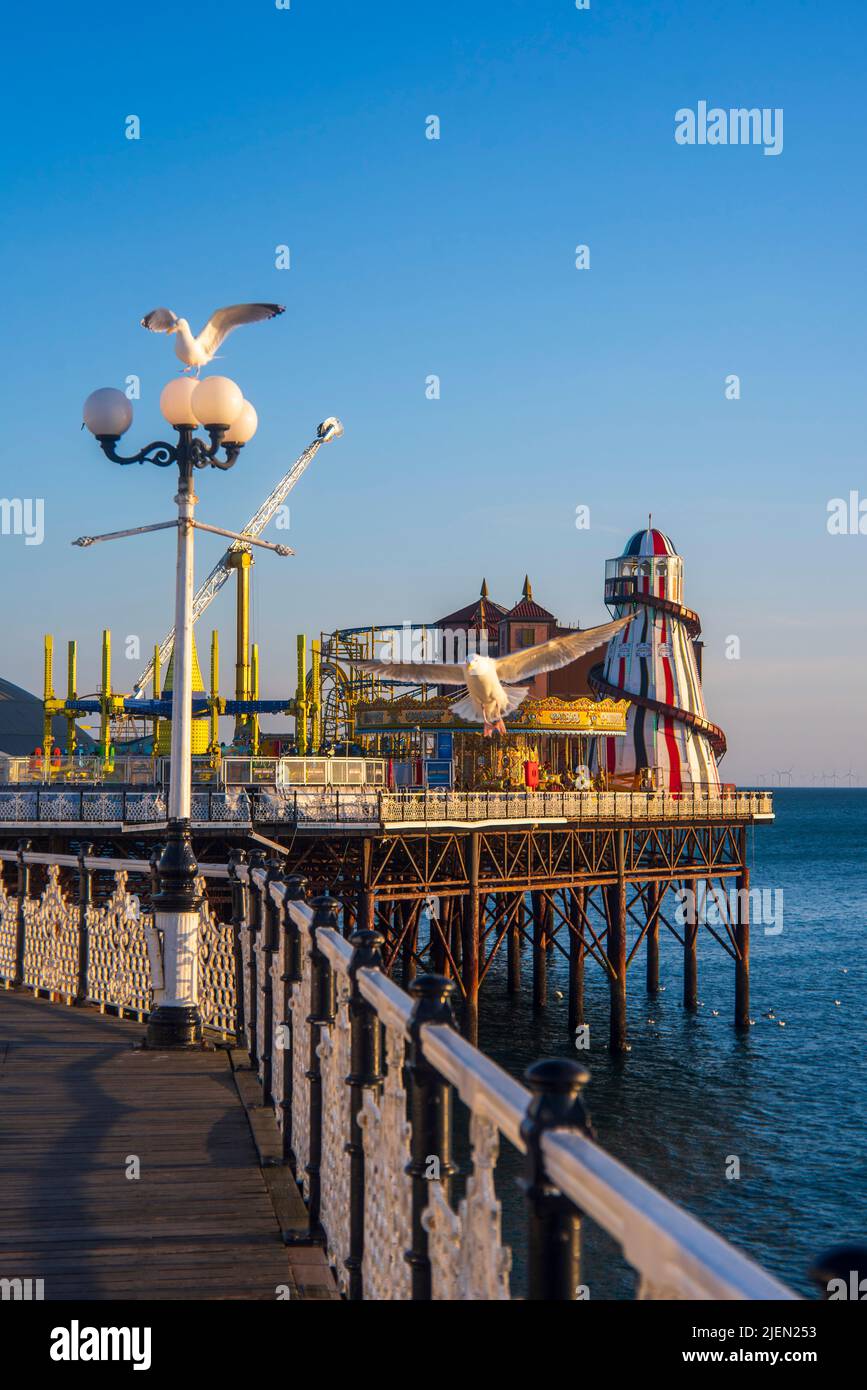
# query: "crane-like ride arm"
x,y
329,429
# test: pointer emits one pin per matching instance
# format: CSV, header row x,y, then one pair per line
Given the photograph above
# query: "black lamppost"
x,y
216,404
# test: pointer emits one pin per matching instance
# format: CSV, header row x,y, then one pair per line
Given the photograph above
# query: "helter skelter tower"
x,y
652,663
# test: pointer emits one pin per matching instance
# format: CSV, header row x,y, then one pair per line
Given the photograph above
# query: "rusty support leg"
x,y
742,938
408,914
513,976
440,962
653,896
616,900
472,926
577,901
540,960
690,952
350,918
458,914
367,906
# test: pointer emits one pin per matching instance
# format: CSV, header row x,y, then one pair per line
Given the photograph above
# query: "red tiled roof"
x,y
529,608
472,613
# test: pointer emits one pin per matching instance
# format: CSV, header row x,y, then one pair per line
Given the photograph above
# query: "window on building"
x,y
525,637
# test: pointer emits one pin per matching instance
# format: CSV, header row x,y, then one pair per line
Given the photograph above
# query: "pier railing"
x,y
64,944
585,807
364,1079
332,807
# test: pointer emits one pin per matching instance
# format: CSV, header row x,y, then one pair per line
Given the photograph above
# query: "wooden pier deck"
x,y
78,1103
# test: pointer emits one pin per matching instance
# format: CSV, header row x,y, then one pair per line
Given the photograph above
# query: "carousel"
x,y
548,743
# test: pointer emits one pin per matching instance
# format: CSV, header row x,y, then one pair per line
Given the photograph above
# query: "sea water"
x,y
787,1099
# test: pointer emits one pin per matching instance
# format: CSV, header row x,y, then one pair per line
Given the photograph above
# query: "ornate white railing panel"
x,y
467,1254
118,968
299,1004
217,970
468,1258
51,930
335,1065
119,972
8,932
386,1130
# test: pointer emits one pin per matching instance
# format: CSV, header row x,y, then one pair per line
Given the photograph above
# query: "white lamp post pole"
x,y
219,406
176,1020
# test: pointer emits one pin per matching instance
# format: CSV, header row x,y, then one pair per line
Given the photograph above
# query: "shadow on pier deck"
x,y
79,1103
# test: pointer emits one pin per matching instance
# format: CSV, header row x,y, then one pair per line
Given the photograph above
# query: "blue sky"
x,y
412,257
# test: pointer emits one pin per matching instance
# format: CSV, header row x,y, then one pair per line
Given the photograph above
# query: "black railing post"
x,y
268,944
20,920
365,1074
430,1109
254,926
295,890
322,1014
554,1239
85,899
239,923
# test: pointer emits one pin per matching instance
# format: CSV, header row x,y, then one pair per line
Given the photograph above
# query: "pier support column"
x,y
513,974
472,924
742,937
457,930
690,953
350,918
408,915
540,959
367,903
577,903
615,895
654,894
440,963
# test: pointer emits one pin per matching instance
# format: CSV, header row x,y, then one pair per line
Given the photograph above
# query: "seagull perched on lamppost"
x,y
491,691
198,351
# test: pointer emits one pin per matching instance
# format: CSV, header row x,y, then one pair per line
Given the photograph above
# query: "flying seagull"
x,y
489,680
198,352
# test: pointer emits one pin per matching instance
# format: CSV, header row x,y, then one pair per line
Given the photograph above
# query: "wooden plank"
x,y
78,1095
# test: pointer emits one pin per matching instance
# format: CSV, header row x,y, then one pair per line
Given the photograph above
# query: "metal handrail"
x,y
366,1180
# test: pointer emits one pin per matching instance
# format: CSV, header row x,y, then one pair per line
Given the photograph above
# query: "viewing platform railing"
x,y
330,807
363,1079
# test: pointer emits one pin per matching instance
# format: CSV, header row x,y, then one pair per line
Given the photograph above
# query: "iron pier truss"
x,y
451,900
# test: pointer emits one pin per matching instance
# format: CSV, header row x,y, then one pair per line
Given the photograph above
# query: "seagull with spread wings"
x,y
198,352
491,692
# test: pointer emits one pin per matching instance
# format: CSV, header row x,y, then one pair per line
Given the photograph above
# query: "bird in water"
x,y
198,351
490,681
